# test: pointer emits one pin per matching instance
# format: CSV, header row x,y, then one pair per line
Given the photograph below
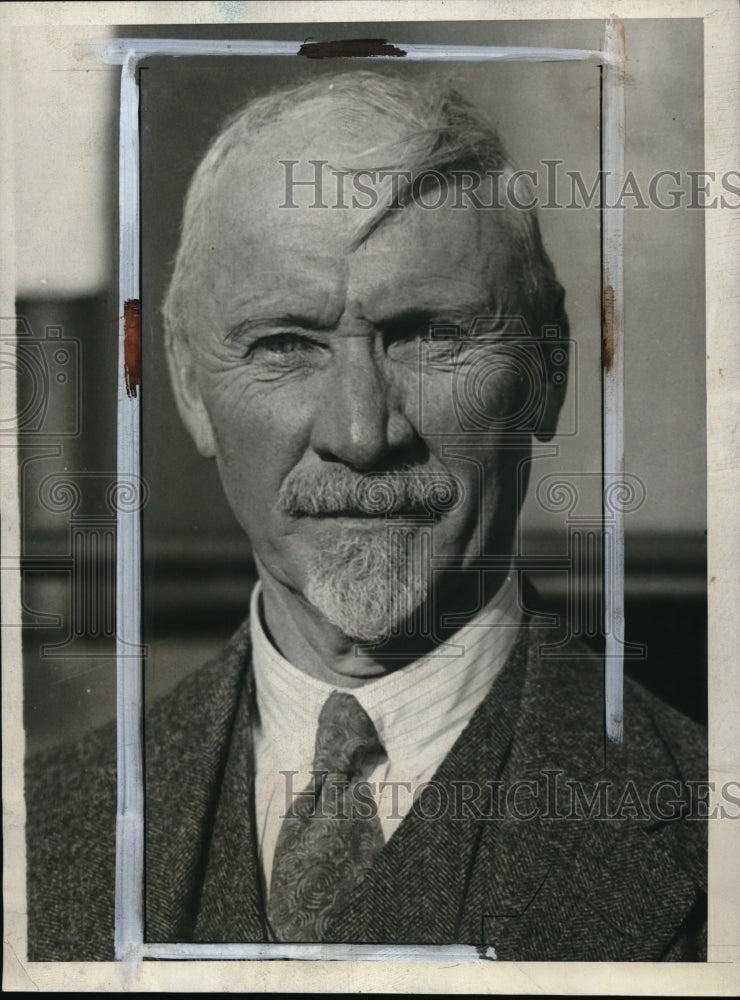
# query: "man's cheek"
x,y
476,398
435,405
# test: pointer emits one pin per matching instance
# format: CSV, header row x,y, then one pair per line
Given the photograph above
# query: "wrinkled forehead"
x,y
305,198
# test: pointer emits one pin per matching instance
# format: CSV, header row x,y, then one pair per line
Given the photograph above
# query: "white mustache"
x,y
336,491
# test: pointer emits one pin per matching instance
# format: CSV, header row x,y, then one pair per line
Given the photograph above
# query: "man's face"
x,y
317,369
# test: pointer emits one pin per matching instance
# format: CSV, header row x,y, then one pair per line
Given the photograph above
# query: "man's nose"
x,y
359,419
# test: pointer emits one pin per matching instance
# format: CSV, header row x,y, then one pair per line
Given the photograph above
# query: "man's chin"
x,y
369,587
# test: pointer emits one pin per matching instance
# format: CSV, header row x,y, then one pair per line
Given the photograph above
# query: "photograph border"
x,y
719,976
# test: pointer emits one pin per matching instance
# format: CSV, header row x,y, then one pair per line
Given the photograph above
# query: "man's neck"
x,y
314,645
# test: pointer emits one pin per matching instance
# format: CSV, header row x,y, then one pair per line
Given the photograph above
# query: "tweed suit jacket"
x,y
496,854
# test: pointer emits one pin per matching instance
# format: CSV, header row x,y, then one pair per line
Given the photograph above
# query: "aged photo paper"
x,y
407,503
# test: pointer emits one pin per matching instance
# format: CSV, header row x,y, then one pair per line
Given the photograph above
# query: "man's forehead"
x,y
317,204
414,261
267,232
320,295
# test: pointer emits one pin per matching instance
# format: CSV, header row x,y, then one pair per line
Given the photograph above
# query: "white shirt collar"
x,y
418,711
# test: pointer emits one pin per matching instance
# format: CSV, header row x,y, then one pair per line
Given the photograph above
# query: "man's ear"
x,y
182,366
557,381
557,358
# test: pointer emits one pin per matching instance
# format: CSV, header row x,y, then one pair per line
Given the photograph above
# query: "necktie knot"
x,y
345,737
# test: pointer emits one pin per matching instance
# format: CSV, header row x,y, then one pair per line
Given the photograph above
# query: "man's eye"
x,y
282,347
427,343
435,332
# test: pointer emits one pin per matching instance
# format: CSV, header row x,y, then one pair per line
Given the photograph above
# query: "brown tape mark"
x,y
349,48
607,328
132,345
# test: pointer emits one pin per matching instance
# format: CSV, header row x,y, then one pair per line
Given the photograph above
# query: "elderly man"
x,y
384,753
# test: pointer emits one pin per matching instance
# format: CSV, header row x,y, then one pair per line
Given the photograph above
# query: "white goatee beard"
x,y
368,583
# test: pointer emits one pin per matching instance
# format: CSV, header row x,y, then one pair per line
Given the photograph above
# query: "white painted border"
x,y
129,920
129,926
116,51
612,271
317,952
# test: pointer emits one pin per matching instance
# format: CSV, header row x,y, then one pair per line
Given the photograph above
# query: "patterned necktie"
x,y
330,835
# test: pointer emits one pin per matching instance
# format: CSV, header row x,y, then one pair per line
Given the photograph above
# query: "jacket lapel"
x,y
231,903
192,785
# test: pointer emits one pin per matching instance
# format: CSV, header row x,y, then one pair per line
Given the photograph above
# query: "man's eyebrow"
x,y
414,317
443,316
247,326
